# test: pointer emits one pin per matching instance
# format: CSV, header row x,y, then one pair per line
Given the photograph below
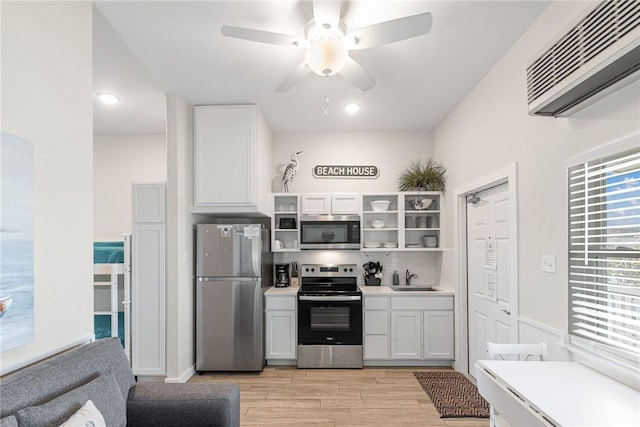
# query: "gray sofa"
x,y
49,392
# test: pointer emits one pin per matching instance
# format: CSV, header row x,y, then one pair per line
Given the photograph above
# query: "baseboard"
x,y
408,363
184,377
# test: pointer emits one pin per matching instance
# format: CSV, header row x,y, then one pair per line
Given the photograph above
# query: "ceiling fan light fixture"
x,y
352,107
107,98
327,56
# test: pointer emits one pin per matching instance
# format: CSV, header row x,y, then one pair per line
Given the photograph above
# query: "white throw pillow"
x,y
87,416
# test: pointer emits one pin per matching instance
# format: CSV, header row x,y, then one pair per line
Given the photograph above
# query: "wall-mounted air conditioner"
x,y
597,56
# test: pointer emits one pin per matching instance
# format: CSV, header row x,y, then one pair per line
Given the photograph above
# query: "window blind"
x,y
604,252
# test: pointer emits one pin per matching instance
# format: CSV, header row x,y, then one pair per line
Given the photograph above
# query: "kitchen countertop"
x,y
366,290
386,290
289,290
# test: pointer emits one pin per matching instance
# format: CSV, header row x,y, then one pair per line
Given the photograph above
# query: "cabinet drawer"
x,y
376,347
376,303
281,303
422,303
376,322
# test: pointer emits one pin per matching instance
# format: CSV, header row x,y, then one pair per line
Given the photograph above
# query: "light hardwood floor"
x,y
287,396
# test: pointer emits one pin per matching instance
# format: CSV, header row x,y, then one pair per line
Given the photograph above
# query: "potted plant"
x,y
421,175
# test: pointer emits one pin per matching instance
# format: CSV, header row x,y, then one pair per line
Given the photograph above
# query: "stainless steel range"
x,y
329,317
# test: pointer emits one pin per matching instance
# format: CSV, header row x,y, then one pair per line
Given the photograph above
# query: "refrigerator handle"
x,y
256,255
227,279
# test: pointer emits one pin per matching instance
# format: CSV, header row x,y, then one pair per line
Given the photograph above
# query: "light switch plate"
x,y
549,263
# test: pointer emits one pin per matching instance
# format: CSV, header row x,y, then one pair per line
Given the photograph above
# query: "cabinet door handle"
x,y
507,311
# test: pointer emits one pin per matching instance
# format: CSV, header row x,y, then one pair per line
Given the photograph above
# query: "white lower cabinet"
x,y
408,328
406,333
281,327
438,335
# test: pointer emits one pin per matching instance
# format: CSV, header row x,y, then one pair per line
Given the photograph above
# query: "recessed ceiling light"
x,y
108,98
352,107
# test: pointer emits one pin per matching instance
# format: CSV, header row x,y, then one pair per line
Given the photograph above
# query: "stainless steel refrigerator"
x,y
233,269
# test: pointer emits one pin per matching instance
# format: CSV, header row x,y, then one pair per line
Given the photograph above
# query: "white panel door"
x,y
148,299
490,265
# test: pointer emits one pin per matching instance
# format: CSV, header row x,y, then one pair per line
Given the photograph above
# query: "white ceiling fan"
x,y
327,42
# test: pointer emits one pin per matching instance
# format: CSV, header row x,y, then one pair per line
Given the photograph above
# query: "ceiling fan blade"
x,y
259,36
357,76
392,31
299,73
326,13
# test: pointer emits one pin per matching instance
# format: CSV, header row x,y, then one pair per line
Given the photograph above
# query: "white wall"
x,y
490,128
390,151
180,261
118,161
47,99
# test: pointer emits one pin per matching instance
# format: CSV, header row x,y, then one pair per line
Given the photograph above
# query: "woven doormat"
x,y
453,395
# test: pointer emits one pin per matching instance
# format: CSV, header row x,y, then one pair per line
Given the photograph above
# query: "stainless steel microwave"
x,y
329,232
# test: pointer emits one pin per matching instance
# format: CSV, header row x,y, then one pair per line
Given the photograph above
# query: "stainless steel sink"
x,y
413,288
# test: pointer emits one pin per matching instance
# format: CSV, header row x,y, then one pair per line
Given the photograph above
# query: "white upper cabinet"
x,y
345,204
316,204
232,160
331,204
149,202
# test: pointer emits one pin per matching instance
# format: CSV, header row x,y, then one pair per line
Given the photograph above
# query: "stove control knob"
x,y
313,269
306,269
351,270
345,270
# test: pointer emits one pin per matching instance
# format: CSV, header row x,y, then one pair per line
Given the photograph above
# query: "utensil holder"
x,y
372,281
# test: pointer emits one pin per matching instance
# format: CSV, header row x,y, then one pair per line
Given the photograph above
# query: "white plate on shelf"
x,y
415,245
390,245
372,244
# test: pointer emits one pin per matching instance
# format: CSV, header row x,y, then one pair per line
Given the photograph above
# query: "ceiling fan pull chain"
x,y
326,96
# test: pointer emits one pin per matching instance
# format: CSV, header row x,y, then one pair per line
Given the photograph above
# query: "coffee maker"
x,y
282,275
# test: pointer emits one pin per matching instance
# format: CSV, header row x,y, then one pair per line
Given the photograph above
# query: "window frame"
x,y
627,360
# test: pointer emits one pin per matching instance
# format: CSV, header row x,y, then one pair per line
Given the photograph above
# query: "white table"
x,y
556,394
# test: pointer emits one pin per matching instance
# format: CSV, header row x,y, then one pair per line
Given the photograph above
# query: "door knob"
x,y
507,311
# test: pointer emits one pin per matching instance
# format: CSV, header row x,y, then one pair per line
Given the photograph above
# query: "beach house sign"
x,y
346,171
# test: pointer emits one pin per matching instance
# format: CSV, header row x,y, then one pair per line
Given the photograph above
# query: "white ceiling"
x,y
177,47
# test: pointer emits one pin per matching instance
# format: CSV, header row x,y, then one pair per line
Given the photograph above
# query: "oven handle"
x,y
329,298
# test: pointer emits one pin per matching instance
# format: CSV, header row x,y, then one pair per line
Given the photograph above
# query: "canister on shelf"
x,y
408,221
421,222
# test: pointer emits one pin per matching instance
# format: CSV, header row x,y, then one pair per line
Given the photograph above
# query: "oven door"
x,y
330,319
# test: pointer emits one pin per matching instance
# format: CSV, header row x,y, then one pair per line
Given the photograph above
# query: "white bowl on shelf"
x,y
377,223
372,244
380,205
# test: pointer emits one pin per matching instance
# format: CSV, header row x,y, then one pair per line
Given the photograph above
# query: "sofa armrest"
x,y
160,404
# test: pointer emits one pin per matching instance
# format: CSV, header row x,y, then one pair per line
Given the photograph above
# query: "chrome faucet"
x,y
408,277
